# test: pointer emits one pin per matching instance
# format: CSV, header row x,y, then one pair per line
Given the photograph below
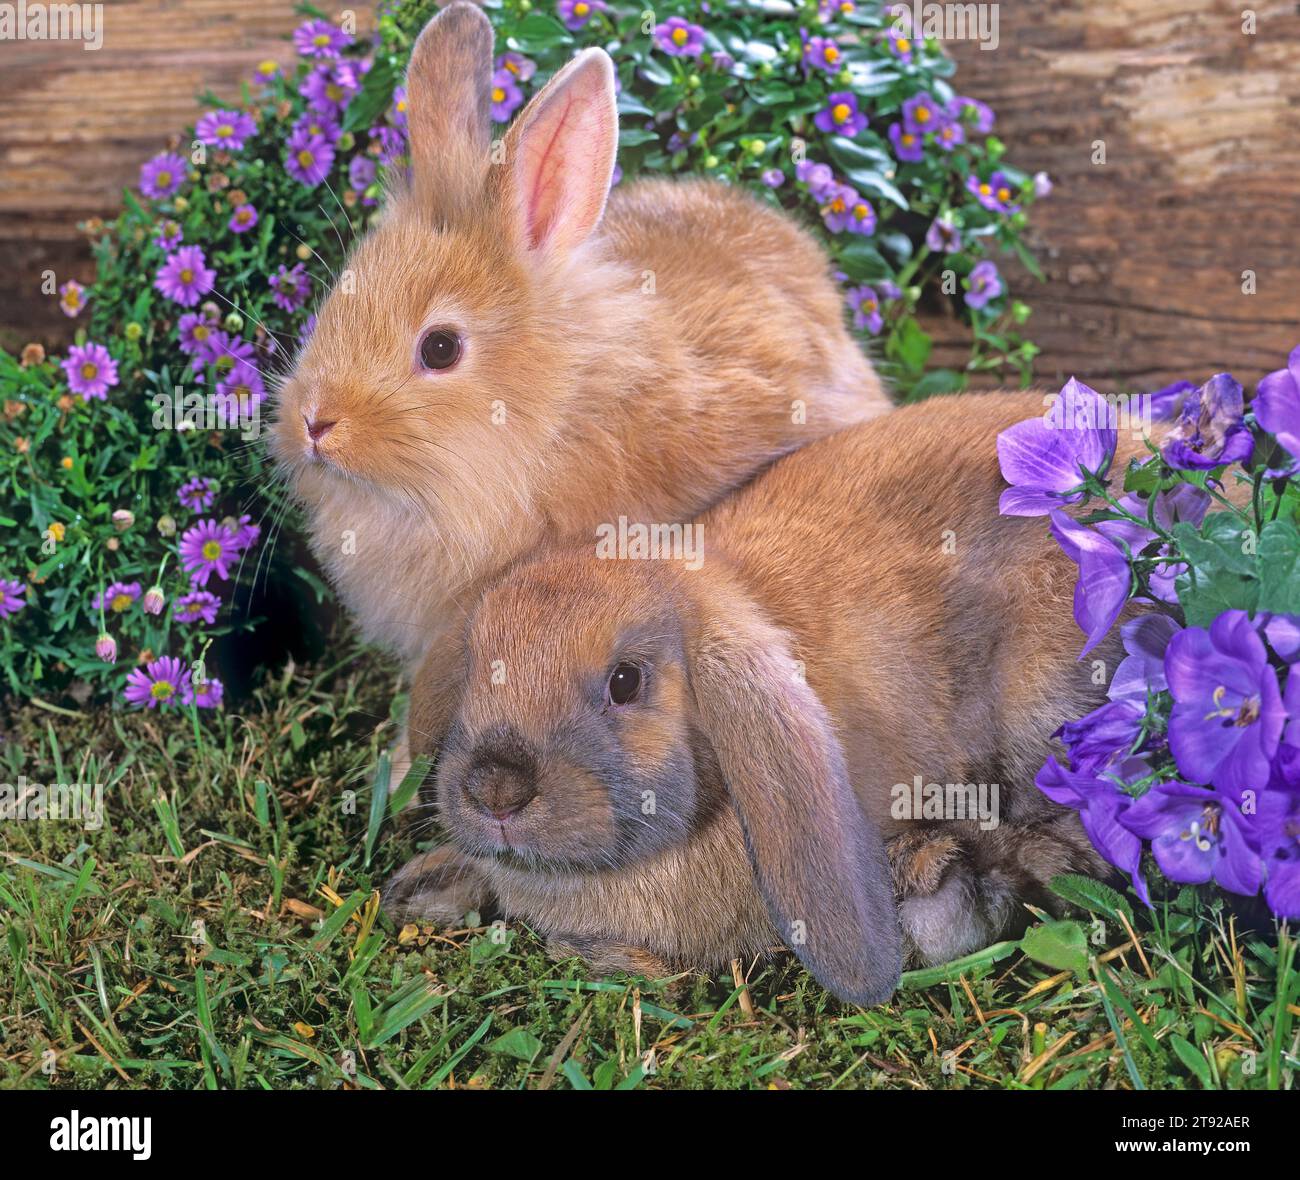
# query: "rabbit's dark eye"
x,y
624,683
440,350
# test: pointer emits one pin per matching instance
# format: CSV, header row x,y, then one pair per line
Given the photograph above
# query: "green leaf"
x,y
378,802
1193,1059
938,381
538,32
1061,945
1279,567
862,262
518,1042
1095,896
376,93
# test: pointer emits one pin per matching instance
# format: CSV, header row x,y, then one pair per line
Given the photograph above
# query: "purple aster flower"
x,y
266,72
320,39
841,115
329,88
949,136
997,194
773,177
921,114
899,45
1045,458
206,694
229,130
1143,667
387,143
199,604
1277,404
13,597
522,67
724,63
362,171
315,124
106,648
1105,578
310,159
304,333
224,351
679,37
162,176
1197,836
943,237
1101,807
242,219
818,177
576,13
246,533
158,684
1210,431
167,236
985,284
90,370
889,291
844,210
971,112
207,548
506,96
198,494
1279,839
866,309
185,276
242,388
1228,713
72,298
821,53
909,146
117,598
290,288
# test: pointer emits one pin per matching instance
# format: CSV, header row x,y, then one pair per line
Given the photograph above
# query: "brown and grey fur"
x,y
956,666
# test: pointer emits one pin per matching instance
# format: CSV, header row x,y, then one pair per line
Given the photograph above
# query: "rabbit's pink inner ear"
x,y
566,153
448,101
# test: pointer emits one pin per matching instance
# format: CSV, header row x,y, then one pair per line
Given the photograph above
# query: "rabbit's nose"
x,y
318,428
500,789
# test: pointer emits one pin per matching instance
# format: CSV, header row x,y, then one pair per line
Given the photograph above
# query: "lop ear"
x,y
819,861
560,154
448,102
435,695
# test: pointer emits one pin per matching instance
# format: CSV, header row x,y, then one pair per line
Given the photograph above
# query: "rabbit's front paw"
x,y
440,886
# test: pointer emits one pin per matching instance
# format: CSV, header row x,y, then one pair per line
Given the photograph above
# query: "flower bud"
x,y
347,141
303,251
123,519
181,204
106,648
134,331
167,525
234,322
153,601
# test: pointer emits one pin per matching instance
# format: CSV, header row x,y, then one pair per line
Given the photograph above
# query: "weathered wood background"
x,y
1144,254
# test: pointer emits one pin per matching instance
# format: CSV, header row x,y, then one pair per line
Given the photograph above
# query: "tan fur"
x,y
645,371
956,666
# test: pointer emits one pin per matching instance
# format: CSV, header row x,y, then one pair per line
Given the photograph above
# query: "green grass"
x,y
222,930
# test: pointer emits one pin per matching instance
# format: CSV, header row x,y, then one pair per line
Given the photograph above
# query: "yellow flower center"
x,y
831,54
837,204
860,212
161,690
511,66
187,275
334,92
67,462
201,331
120,602
840,112
908,138
88,371
243,216
922,114
57,530
401,102
904,45
581,9
211,550
321,40
163,179
267,68
985,190
305,158
679,36
1004,194
498,95
72,299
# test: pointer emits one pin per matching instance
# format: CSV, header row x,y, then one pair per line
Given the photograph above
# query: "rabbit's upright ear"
x,y
561,151
448,103
819,861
